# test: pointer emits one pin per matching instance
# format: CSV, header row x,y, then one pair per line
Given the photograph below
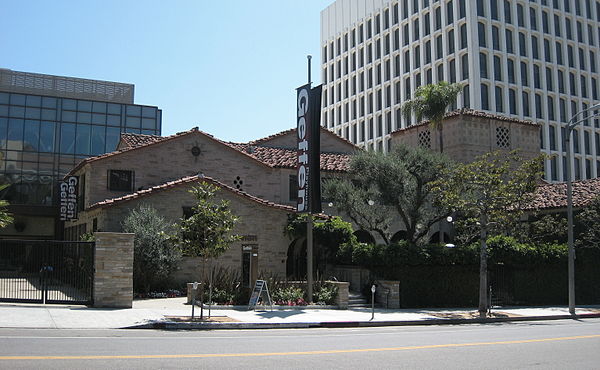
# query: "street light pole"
x,y
574,121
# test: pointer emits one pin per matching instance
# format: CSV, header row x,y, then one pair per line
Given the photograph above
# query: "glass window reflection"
x,y
98,140
48,114
3,130
48,102
47,137
32,135
112,138
67,138
82,145
15,134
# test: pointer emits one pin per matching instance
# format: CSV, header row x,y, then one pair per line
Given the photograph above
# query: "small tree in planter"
x,y
207,232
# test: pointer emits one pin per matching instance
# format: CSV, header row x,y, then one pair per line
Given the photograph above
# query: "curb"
x,y
169,325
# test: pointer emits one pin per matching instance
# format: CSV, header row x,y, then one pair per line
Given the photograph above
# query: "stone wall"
x,y
260,224
113,270
357,277
388,293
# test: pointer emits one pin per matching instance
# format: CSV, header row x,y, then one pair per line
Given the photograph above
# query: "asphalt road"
x,y
564,344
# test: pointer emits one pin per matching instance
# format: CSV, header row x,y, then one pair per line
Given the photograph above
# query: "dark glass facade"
x,y
43,137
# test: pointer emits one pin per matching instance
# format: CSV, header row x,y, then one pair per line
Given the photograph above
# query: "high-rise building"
x,y
47,125
533,60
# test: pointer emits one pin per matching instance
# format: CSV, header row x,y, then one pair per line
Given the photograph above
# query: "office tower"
x,y
47,125
532,60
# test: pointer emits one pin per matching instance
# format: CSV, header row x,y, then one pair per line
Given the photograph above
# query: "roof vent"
x,y
250,149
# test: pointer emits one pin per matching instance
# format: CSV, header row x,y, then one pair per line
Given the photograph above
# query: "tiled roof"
x,y
287,158
472,113
184,181
554,196
268,156
145,142
293,130
129,140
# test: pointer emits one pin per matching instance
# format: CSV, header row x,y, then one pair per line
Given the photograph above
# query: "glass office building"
x,y
47,125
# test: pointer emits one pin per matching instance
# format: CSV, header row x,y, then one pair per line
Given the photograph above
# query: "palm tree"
x,y
431,102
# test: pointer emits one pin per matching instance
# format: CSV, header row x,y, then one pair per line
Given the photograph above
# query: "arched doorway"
x,y
398,236
364,236
436,237
295,268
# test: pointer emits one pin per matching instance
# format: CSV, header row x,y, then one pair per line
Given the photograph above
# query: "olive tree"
x,y
154,257
488,194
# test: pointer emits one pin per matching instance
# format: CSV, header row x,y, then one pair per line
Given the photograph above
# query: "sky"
x,y
229,67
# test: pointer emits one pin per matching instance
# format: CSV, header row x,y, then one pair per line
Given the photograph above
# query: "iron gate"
x,y
46,271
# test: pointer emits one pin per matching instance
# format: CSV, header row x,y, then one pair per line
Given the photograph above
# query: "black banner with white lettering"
x,y
309,149
68,191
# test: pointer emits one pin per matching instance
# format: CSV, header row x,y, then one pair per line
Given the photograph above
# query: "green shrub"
x,y
325,293
288,296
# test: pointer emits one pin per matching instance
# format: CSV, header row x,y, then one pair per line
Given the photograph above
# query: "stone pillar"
x,y
388,293
341,300
113,270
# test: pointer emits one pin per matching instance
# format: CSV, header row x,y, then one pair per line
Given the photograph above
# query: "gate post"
x,y
113,270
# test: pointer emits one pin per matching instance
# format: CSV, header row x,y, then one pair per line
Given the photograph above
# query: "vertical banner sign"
x,y
67,192
315,150
309,148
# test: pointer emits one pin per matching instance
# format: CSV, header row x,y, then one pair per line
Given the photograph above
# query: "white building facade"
x,y
530,59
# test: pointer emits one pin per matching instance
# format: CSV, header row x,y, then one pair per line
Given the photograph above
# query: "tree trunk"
x,y
483,304
441,137
210,283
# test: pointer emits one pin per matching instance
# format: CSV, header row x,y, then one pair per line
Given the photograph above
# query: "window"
x,y
549,79
511,71
552,135
551,109
480,9
451,42
509,42
534,47
463,36
483,65
120,180
507,13
524,74
512,101
464,61
559,54
438,48
499,100
522,45
449,12
537,83
526,111
485,102
547,53
532,19
481,33
538,106
494,9
520,15
495,38
497,69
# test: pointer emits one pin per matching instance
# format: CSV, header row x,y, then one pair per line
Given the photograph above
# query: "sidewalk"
x,y
172,313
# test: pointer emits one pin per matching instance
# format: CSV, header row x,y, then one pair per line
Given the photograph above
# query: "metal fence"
x,y
46,271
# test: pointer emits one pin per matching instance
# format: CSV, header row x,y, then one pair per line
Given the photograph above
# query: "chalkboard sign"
x,y
260,289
